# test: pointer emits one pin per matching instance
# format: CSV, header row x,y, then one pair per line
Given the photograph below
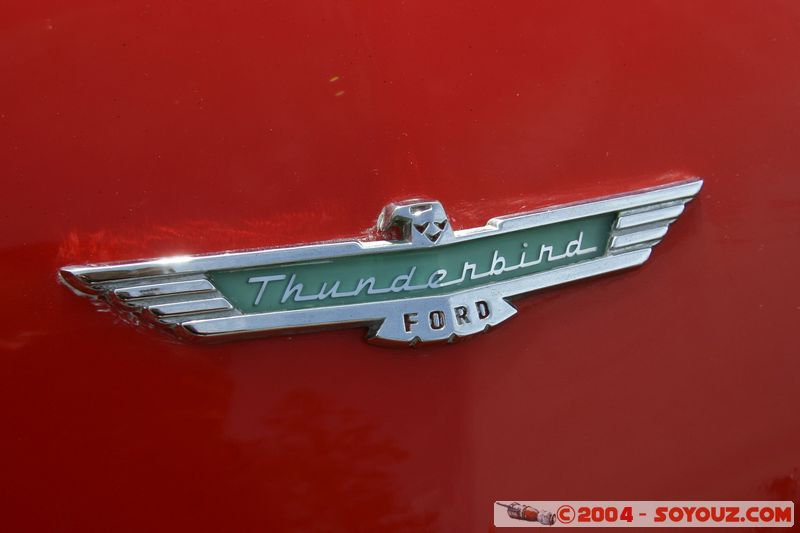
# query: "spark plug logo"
x,y
529,514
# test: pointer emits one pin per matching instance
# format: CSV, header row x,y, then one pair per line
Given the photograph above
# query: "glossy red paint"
x,y
130,130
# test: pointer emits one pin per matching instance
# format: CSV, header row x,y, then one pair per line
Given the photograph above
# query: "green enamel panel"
x,y
417,272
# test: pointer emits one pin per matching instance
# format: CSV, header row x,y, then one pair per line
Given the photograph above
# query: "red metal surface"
x,y
133,130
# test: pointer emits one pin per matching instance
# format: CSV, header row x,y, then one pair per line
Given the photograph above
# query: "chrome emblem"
x,y
436,284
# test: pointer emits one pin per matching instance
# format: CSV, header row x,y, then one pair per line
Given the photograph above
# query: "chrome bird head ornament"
x,y
424,223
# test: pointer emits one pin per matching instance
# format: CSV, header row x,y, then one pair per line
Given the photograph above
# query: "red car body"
x,y
131,130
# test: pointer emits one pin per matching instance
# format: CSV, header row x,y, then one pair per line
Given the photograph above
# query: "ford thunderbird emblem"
x,y
436,284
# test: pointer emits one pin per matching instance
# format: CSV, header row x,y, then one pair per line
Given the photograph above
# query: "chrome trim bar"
x,y
646,235
190,307
646,217
164,289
